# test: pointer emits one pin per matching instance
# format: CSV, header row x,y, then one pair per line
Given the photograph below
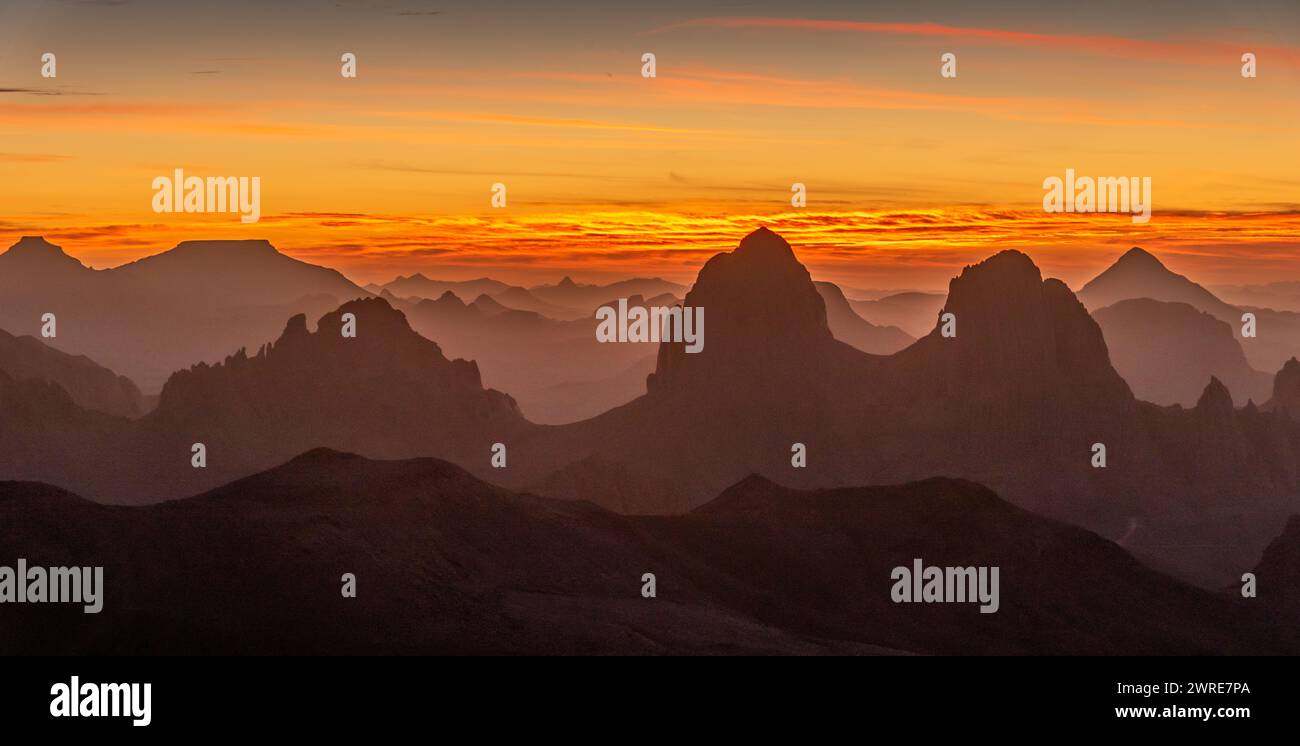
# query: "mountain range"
x,y
1017,400
196,302
446,563
1138,274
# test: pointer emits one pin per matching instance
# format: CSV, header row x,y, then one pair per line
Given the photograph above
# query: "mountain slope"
x,y
1167,352
148,318
1017,400
216,274
419,286
582,298
850,328
1278,572
915,313
445,563
89,385
1138,274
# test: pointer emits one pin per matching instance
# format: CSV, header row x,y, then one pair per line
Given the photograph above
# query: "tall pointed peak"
x,y
1216,399
1137,256
567,282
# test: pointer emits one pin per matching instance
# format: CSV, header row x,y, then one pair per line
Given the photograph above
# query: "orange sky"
x,y
909,175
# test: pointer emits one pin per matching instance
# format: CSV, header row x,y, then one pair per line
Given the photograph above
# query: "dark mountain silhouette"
x,y
388,392
1138,274
664,300
146,319
216,274
1278,573
1016,400
564,301
583,298
487,306
45,260
524,300
88,384
46,436
1167,352
852,329
419,286
914,312
1286,390
445,563
556,370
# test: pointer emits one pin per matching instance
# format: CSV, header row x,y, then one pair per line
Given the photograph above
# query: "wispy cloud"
x,y
31,158
47,92
914,244
1196,51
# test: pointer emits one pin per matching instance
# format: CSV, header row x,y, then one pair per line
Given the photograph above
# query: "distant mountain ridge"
x,y
88,384
1139,274
1169,351
148,318
564,301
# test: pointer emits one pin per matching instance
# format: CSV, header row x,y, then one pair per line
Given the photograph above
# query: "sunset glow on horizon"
x,y
910,176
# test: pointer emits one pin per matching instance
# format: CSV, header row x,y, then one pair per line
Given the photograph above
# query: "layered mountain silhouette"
x,y
1278,573
915,313
1019,400
556,370
564,301
662,300
847,326
388,392
1282,296
419,286
1286,390
1138,274
1168,352
445,563
146,319
585,297
89,385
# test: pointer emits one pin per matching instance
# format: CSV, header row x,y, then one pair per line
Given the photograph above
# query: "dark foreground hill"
x,y
445,563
